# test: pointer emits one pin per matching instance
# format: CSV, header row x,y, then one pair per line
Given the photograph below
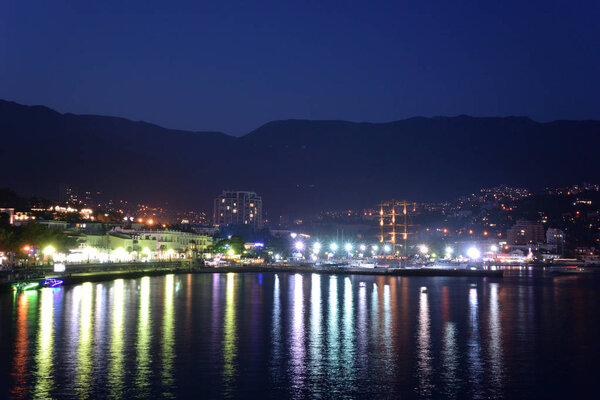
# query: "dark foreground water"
x,y
304,336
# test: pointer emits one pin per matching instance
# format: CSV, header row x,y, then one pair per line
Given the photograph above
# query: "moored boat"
x,y
51,282
23,286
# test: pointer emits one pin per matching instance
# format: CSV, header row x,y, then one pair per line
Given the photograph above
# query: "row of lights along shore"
x,y
472,252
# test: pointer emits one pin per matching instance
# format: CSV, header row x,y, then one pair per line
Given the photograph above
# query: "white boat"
x,y
362,264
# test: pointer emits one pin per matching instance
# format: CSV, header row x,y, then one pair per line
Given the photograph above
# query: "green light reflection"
x,y
84,348
229,339
168,343
144,336
44,380
115,370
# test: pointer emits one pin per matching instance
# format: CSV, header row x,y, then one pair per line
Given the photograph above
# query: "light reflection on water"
x,y
297,346
84,348
45,346
144,336
495,341
168,341
315,360
474,345
229,337
115,371
424,358
294,336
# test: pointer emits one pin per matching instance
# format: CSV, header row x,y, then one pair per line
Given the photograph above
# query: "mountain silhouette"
x,y
298,166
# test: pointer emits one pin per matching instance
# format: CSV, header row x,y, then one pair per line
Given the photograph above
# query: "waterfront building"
x,y
128,244
525,232
168,240
238,208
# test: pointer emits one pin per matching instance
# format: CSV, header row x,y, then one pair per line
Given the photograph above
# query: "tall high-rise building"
x,y
238,208
525,232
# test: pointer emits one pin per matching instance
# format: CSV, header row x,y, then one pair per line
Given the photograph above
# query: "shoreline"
x,y
101,276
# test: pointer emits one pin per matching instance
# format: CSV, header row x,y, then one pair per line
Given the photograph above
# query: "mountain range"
x,y
298,166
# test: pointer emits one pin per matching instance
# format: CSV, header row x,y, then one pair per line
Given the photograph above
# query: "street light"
x,y
473,253
299,245
348,247
333,247
423,249
49,250
387,248
316,247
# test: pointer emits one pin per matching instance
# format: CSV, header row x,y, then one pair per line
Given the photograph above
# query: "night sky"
x,y
232,66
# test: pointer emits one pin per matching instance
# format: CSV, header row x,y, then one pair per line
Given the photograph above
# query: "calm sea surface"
x,y
304,336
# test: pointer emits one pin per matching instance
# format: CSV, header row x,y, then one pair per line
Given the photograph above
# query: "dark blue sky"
x,y
231,66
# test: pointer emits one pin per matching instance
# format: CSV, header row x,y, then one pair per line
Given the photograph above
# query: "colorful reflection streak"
x,y
84,348
144,336
333,340
362,326
276,331
449,349
316,334
115,368
229,336
495,341
348,341
21,358
297,350
44,382
168,341
474,345
424,357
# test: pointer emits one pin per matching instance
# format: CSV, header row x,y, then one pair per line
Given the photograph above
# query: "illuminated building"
x,y
393,223
524,232
238,208
137,241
